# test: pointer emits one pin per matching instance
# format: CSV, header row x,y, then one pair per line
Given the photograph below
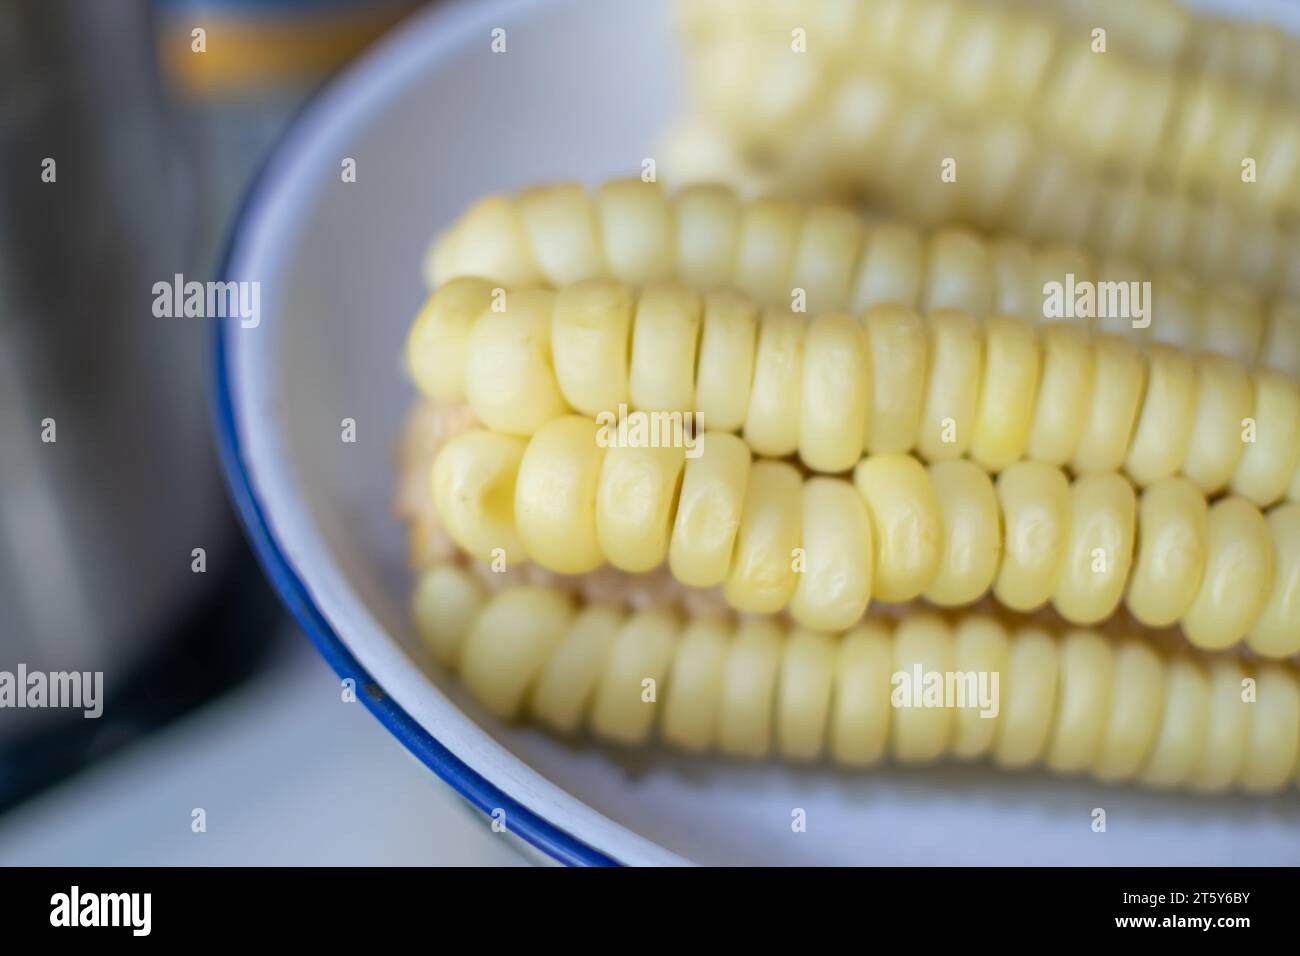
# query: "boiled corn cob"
x,y
1004,189
1006,185
1257,57
774,250
1071,701
832,387
868,131
1109,109
822,547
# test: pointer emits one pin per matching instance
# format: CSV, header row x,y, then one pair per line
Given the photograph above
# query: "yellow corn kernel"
x,y
509,644
509,375
1238,576
567,684
772,419
589,341
634,505
636,226
664,338
769,231
803,690
1179,743
971,546
860,704
1225,398
749,689
762,577
922,725
435,347
1227,727
898,356
627,696
474,483
1136,707
445,603
1006,403
1087,677
695,685
834,407
555,495
1035,500
960,274
559,222
1173,537
709,509
891,270
1276,632
1274,739
1164,429
725,375
980,647
826,255
708,228
1099,548
1269,461
1063,394
952,396
489,241
834,583
905,524
1119,380
1029,695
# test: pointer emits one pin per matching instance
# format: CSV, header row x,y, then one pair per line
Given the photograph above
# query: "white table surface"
x,y
287,773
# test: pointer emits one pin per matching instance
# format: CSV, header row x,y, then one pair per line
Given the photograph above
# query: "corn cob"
x,y
522,368
635,232
1007,185
867,132
1255,56
833,387
1073,701
1112,111
822,548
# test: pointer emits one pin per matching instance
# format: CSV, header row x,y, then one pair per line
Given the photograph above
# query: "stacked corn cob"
x,y
920,433
1009,117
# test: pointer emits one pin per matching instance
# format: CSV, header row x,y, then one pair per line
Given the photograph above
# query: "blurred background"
x,y
119,551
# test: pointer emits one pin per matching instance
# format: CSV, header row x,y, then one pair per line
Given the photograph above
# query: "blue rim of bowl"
x,y
481,793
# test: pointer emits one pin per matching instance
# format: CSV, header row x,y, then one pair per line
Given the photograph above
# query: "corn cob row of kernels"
x,y
430,426
822,548
1006,188
833,260
832,387
1145,120
1255,56
876,144
922,160
1073,701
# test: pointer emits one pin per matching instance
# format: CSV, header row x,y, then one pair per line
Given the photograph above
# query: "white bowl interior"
x,y
434,120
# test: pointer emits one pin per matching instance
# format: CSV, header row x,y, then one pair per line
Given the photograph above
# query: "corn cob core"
x,y
825,258
1111,110
1074,702
832,386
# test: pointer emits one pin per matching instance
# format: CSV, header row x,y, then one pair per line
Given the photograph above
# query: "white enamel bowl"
x,y
433,120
